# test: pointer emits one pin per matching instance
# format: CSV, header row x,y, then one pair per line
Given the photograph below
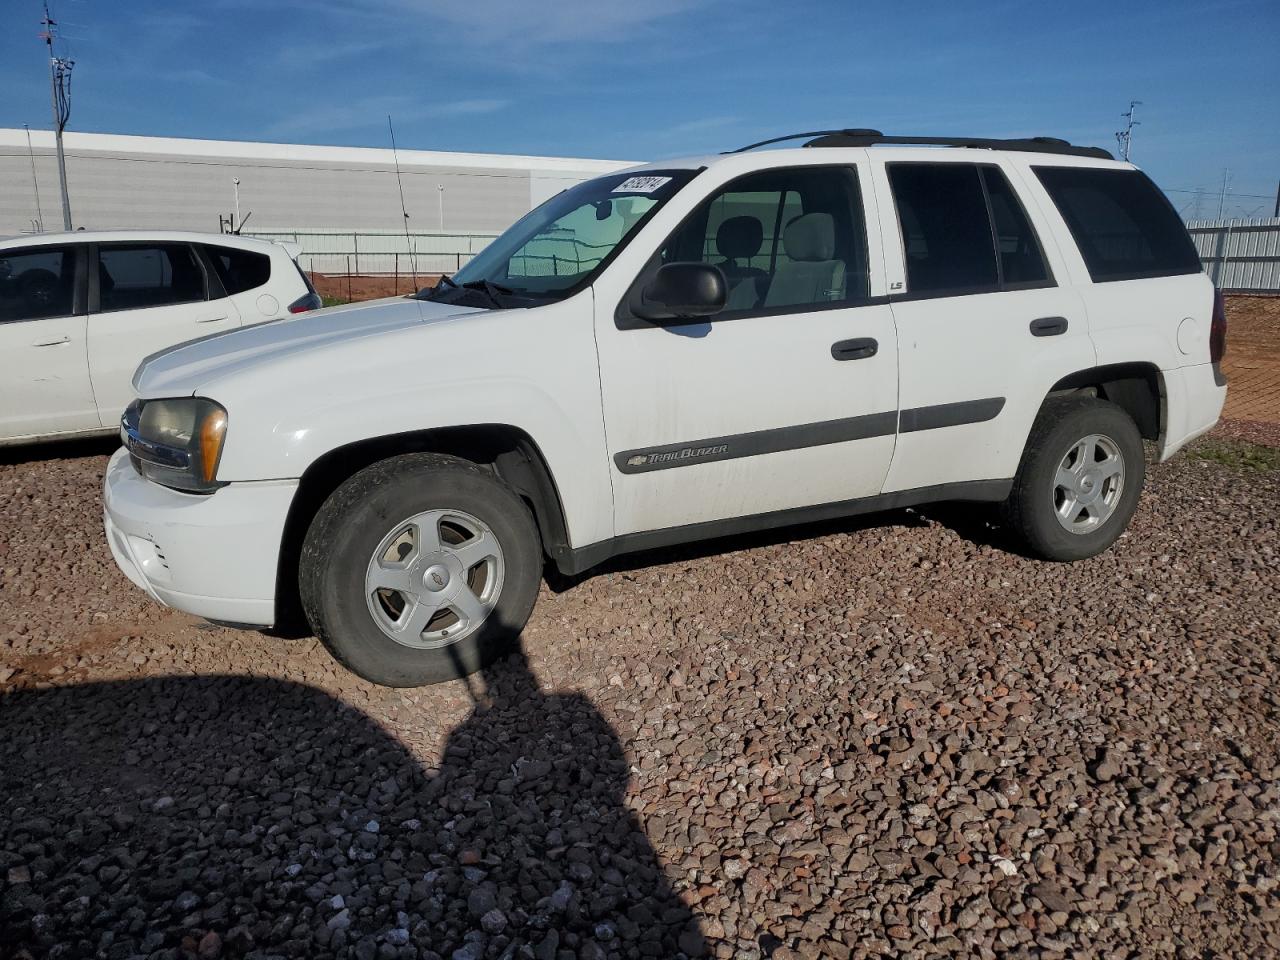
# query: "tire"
x,y
392,510
1045,502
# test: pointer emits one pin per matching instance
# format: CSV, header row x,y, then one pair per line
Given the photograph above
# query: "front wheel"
x,y
420,568
1079,481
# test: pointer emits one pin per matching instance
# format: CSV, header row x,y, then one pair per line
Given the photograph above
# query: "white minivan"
x,y
79,312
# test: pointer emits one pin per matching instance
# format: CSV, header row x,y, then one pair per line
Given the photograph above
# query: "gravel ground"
x,y
891,737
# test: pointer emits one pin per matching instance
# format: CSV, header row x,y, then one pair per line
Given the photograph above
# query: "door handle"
x,y
1049,327
211,319
857,349
51,343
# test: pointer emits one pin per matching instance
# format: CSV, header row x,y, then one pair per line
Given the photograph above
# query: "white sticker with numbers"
x,y
641,184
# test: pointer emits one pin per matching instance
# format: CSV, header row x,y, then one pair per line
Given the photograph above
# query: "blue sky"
x,y
643,79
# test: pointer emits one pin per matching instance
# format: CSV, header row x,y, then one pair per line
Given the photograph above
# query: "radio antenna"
x,y
413,252
35,182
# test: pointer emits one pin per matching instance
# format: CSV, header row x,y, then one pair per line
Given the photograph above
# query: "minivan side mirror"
x,y
682,291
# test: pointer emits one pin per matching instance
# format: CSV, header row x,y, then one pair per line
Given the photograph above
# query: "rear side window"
x,y
1017,247
1122,223
240,270
37,283
945,229
138,276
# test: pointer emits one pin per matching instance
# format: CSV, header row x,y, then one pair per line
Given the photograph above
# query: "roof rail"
x,y
870,138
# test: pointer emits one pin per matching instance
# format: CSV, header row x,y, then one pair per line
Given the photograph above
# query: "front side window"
x,y
784,239
1122,223
946,233
136,276
563,244
36,283
239,270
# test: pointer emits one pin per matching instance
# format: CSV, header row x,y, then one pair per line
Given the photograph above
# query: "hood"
x,y
181,370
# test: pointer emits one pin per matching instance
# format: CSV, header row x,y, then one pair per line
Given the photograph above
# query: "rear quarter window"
x,y
1122,224
240,270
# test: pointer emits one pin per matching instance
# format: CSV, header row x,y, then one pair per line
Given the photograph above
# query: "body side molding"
x,y
818,434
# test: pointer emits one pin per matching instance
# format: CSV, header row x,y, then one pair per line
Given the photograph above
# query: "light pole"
x,y
235,224
440,195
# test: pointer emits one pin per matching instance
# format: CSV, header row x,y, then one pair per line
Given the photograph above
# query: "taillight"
x,y
1218,329
310,301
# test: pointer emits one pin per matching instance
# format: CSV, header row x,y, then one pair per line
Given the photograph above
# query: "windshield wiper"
x,y
489,288
429,293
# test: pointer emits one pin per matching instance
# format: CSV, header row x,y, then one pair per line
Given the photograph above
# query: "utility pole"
x,y
1125,137
60,92
1277,212
1222,195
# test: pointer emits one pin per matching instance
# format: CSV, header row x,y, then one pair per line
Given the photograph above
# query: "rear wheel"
x,y
419,569
1079,481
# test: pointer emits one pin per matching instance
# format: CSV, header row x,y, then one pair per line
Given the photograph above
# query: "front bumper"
x,y
214,556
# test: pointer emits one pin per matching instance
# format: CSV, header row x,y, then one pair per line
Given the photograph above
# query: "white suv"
x,y
79,311
677,352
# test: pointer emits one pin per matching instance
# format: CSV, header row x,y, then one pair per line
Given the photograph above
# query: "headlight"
x,y
176,442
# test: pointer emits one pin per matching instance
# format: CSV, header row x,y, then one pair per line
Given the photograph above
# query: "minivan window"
x,y
1123,225
36,283
136,276
784,239
1020,257
946,233
240,270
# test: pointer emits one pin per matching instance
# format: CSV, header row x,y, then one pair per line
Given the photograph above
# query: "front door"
x,y
44,370
143,298
787,398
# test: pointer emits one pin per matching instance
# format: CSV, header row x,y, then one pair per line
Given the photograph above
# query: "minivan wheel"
x,y
419,569
1079,481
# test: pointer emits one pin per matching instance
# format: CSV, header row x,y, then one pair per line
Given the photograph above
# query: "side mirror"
x,y
681,291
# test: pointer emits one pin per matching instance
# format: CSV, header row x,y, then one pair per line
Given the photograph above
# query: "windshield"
x,y
560,246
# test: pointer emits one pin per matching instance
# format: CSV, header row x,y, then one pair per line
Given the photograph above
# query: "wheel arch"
x,y
1138,388
509,451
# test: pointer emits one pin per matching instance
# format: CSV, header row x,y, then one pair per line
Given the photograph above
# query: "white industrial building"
x,y
329,193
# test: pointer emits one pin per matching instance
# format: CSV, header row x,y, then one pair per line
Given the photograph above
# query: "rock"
x,y
210,947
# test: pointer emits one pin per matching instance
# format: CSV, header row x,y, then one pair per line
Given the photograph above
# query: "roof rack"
x,y
870,138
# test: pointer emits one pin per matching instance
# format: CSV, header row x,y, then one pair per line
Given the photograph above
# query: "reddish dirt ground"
x,y
370,288
1252,364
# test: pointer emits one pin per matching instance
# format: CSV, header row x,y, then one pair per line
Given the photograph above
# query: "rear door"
x,y
784,400
984,326
44,370
144,297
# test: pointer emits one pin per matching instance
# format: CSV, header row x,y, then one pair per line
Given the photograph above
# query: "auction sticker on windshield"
x,y
641,184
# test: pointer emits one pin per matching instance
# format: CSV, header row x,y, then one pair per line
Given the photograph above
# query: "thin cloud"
x,y
518,22
372,112
311,54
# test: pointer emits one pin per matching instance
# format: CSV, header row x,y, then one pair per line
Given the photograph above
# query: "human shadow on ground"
x,y
94,446
237,816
